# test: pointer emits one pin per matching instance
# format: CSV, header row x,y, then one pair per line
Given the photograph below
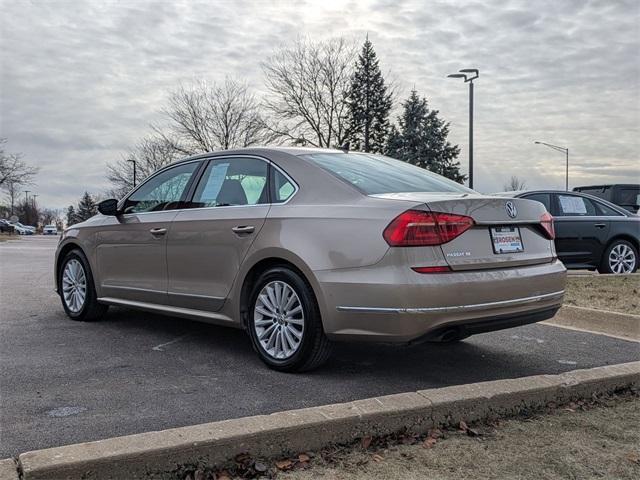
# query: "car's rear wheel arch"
x,y
254,273
628,238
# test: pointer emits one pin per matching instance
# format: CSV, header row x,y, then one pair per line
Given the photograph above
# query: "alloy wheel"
x,y
622,259
74,285
278,320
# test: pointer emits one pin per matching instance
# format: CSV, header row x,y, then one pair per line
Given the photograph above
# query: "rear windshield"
x,y
376,174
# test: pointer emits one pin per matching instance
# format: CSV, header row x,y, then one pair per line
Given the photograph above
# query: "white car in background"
x,y
50,230
21,229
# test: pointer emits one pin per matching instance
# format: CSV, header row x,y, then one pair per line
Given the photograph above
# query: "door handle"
x,y
600,225
243,229
158,232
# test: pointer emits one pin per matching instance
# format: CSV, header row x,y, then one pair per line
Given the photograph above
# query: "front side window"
x,y
574,206
232,181
376,174
163,191
607,211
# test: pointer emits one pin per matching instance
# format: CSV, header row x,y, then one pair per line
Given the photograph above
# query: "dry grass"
x,y
602,442
605,292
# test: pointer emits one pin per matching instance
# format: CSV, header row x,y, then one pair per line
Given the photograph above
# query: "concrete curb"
x,y
157,454
620,325
8,469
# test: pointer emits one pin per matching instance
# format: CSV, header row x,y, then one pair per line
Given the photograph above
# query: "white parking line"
x,y
158,348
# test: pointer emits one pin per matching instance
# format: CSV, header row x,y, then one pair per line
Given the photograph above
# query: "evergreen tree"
x,y
421,140
71,216
369,104
87,208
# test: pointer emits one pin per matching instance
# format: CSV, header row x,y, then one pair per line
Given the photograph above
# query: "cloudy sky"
x,y
82,80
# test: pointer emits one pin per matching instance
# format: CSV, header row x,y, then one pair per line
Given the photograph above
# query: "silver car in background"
x,y
302,247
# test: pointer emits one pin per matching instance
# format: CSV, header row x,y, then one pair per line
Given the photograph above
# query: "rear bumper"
x,y
394,307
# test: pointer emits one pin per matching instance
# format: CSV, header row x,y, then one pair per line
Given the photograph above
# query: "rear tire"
x,y
621,257
77,290
284,322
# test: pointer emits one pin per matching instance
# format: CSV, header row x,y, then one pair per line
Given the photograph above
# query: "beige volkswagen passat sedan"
x,y
302,247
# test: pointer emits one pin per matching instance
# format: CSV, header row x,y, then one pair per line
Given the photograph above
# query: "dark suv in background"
x,y
625,195
591,233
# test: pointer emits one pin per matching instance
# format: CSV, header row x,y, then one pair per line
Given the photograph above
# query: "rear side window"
x,y
376,174
574,206
232,181
543,198
282,187
629,196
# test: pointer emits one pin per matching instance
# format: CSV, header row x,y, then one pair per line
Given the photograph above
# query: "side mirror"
x,y
108,207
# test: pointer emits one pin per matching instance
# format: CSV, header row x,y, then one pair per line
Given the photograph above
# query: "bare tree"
x,y
49,216
207,117
14,173
12,189
514,184
308,86
149,155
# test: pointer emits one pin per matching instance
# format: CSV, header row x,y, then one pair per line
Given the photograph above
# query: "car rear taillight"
x,y
546,221
417,228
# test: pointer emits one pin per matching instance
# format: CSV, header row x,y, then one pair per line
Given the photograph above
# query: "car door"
x,y
208,242
131,250
581,231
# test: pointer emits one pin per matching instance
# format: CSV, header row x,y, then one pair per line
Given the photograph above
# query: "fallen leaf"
x,y
366,441
472,432
224,475
435,433
429,442
303,457
634,457
260,467
377,458
463,426
284,464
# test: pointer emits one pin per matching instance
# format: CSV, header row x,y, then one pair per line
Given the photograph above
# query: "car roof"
x,y
636,185
296,151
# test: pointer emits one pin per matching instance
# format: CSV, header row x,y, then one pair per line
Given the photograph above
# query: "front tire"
x,y
77,290
621,257
284,322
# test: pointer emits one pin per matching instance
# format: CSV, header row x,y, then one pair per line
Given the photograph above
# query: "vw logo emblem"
x,y
511,209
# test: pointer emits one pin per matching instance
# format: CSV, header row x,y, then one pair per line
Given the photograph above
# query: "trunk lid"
x,y
494,217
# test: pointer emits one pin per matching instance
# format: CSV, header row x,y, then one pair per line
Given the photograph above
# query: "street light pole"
x,y
26,196
564,150
474,73
134,172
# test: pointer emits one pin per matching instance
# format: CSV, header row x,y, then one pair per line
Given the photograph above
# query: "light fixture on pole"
x,y
134,172
564,150
473,74
26,196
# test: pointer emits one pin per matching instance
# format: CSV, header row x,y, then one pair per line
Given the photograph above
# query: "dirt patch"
x,y
605,292
595,438
601,442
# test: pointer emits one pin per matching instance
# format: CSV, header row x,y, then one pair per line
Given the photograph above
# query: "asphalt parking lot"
x,y
64,382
